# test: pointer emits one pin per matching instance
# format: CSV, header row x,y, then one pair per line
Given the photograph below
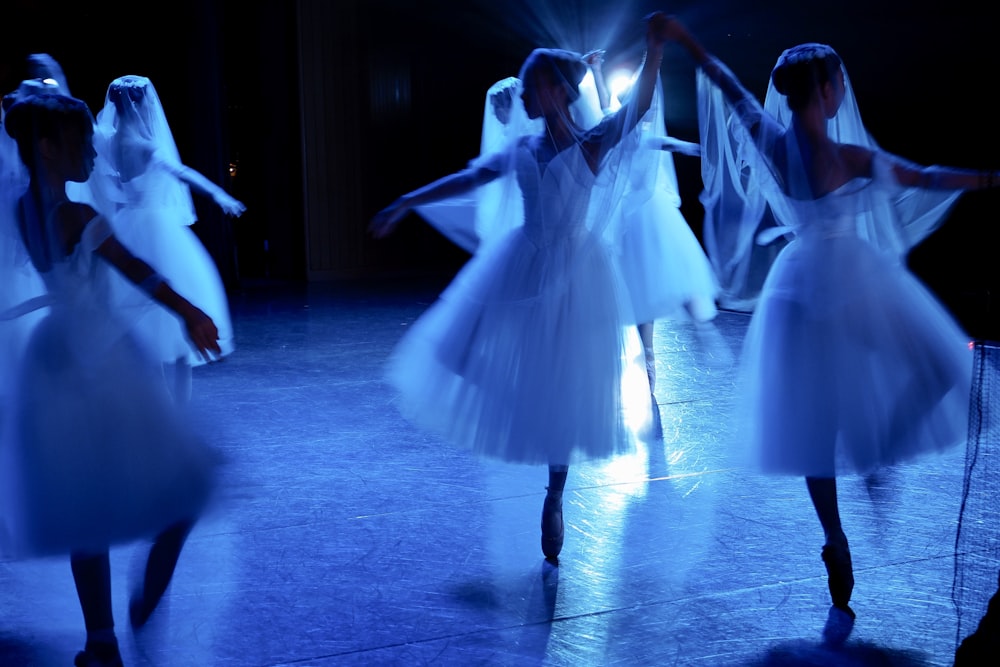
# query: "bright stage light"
x,y
619,83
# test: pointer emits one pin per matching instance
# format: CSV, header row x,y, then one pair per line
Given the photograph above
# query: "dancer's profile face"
x,y
77,153
133,112
539,95
833,92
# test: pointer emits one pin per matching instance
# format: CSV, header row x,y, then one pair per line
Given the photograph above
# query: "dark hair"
x,y
43,116
560,66
8,101
801,70
129,88
34,86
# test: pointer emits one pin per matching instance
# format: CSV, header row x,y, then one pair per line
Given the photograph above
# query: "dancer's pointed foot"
x,y
553,530
160,566
99,654
840,574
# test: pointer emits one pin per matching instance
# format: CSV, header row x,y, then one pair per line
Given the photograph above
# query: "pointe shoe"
x,y
98,655
553,530
840,574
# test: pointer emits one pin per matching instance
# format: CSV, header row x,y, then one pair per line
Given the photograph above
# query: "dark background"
x,y
228,74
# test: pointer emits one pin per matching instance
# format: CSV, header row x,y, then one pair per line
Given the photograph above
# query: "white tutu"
x,y
850,363
161,236
529,356
94,451
665,268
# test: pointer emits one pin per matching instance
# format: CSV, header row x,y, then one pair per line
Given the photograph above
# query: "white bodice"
x,y
556,195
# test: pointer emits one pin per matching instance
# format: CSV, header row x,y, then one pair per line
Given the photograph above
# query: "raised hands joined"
x,y
662,27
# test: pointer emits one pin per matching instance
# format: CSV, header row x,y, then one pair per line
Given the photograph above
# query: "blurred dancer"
x,y
524,355
94,451
850,363
140,172
665,268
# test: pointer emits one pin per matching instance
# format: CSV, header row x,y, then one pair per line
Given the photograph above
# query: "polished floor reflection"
x,y
347,537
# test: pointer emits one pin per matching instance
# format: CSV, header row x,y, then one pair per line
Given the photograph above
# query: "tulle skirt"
x,y
526,356
94,452
21,283
851,364
665,268
178,255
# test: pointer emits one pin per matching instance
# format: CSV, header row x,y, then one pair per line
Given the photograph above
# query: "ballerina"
x,y
664,265
140,172
524,356
849,362
94,452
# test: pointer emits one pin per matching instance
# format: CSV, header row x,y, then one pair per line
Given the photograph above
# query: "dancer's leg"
x,y
92,576
160,567
552,517
836,553
646,335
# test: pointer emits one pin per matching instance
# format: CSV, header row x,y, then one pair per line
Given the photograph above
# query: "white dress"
x,y
850,363
94,451
526,356
664,266
160,234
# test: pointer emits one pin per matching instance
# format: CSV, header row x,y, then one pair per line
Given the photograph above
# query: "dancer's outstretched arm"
x,y
385,221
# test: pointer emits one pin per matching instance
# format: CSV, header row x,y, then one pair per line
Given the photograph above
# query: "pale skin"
x,y
542,99
71,159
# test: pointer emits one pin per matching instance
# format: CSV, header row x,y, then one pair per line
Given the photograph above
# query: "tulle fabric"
x,y
94,451
469,219
664,266
746,208
524,357
127,135
529,355
151,210
19,280
159,235
849,363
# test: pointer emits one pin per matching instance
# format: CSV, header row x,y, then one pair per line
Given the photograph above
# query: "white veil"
x,y
748,214
132,137
468,219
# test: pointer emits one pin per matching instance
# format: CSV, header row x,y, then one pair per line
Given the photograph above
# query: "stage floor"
x,y
348,537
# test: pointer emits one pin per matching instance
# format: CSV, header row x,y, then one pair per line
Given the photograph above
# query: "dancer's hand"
x,y
594,58
666,28
662,28
658,28
674,146
229,205
203,333
386,220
